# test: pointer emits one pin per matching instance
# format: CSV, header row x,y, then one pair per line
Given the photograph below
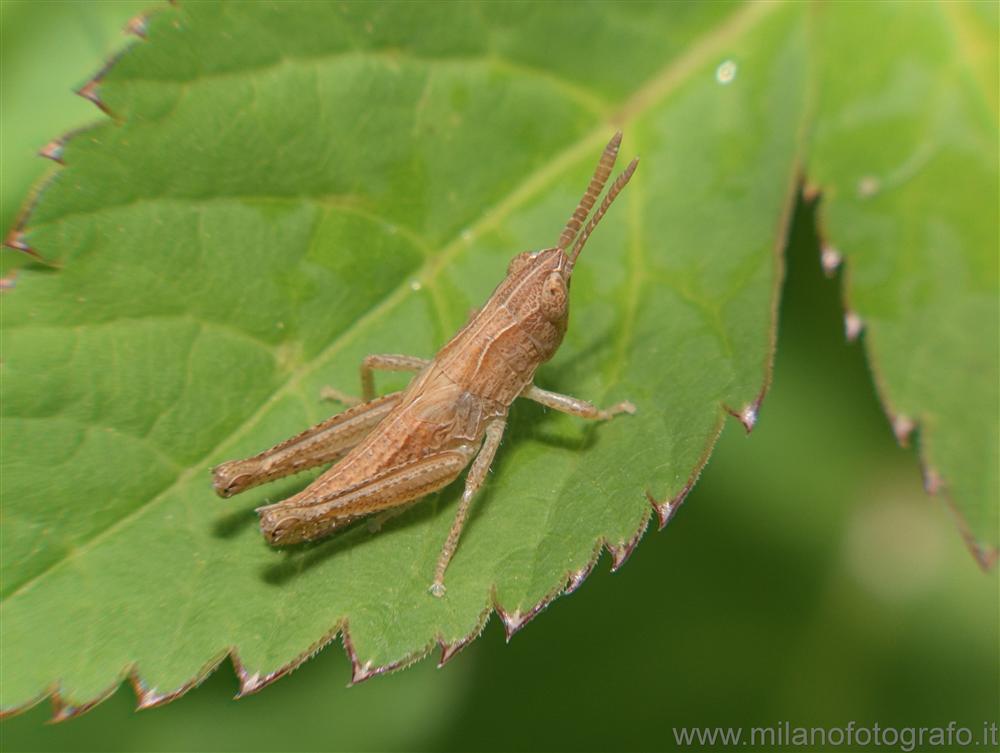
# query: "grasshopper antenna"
x,y
601,174
620,182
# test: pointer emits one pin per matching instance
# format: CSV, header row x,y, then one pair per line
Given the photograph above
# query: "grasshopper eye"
x,y
553,303
519,262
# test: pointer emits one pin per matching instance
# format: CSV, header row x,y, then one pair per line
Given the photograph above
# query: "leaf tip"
x,y
54,150
450,650
621,552
147,697
250,683
63,710
577,577
986,555
902,427
811,192
362,672
853,326
666,509
512,621
830,260
516,620
89,92
16,240
137,25
747,415
932,480
366,670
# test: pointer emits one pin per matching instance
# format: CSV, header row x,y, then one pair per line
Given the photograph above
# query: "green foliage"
x,y
905,151
72,39
286,188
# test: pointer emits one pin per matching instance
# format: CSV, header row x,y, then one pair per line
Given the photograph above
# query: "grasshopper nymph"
x,y
395,449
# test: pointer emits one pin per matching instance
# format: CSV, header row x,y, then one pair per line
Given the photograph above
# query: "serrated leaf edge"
x,y
658,86
15,238
904,427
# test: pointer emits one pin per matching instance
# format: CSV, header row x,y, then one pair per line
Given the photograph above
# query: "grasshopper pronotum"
x,y
397,448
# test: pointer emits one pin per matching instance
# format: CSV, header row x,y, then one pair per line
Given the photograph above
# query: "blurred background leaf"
x,y
905,152
49,49
808,576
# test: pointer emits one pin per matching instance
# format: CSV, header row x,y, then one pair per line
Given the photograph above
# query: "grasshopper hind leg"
x,y
323,443
328,504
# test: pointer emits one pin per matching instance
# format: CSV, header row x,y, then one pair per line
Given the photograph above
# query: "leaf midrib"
x,y
652,92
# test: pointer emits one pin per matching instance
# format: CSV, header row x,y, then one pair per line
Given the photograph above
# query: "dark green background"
x,y
807,578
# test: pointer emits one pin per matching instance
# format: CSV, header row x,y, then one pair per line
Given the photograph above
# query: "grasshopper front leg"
x,y
574,405
323,443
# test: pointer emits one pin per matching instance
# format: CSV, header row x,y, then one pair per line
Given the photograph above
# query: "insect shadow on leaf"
x,y
300,558
229,524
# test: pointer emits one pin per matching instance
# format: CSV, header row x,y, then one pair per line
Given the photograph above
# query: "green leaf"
x,y
71,39
905,152
285,188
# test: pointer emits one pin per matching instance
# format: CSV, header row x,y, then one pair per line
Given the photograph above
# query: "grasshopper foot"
x,y
437,589
625,406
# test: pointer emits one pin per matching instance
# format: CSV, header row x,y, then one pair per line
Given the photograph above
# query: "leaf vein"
x,y
655,90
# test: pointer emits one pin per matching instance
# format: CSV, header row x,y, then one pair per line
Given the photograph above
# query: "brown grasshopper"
x,y
400,447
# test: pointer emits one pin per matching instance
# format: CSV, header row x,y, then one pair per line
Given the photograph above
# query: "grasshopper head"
x,y
540,283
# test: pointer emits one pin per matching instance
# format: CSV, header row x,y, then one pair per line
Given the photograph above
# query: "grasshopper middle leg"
x,y
386,362
370,364
474,479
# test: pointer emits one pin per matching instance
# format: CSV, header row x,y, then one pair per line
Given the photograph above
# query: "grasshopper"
x,y
393,450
